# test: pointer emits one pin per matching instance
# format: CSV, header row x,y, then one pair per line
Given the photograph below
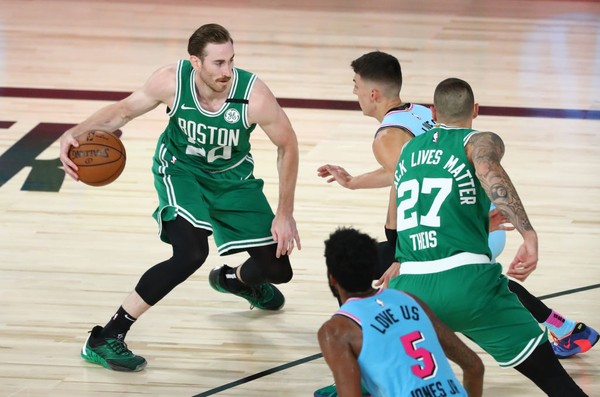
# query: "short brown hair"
x,y
207,34
379,67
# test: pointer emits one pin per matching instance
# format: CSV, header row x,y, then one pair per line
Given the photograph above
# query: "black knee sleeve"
x,y
280,272
263,266
190,250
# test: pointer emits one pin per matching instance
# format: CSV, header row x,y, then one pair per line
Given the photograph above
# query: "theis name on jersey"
x,y
209,135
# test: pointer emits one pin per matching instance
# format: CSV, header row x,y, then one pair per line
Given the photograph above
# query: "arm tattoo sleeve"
x,y
486,151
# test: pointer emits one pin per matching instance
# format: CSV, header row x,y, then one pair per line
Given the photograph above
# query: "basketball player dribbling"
x,y
203,174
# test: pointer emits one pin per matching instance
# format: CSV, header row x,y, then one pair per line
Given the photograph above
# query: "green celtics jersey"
x,y
213,141
443,212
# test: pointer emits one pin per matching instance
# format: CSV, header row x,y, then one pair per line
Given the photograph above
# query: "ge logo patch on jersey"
x,y
232,116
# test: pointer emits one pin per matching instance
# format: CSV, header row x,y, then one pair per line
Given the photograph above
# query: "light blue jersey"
x,y
496,241
416,120
401,354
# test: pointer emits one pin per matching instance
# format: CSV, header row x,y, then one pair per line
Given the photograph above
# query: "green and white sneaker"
x,y
111,353
265,296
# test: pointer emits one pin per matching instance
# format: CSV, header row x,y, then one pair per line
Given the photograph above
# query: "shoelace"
x,y
255,296
257,293
119,346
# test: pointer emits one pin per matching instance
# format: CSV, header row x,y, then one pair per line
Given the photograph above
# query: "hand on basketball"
x,y
285,234
525,261
95,157
66,141
335,173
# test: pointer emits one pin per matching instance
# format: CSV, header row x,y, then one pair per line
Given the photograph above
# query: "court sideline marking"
x,y
327,104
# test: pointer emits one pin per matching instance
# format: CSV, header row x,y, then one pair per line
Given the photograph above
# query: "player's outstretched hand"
x,y
335,173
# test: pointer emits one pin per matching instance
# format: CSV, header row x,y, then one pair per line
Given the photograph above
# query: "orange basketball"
x,y
100,157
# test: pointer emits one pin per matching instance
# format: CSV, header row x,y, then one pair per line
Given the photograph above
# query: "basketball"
x,y
100,157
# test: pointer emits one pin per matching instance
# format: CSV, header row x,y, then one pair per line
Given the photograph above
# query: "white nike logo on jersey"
x,y
183,107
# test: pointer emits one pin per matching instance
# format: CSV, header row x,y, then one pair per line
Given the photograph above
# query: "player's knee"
x,y
280,271
283,275
186,260
160,279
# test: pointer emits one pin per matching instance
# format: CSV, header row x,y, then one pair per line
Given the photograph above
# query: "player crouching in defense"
x,y
386,339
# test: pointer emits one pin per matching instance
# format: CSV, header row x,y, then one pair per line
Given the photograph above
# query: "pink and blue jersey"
x,y
414,119
401,354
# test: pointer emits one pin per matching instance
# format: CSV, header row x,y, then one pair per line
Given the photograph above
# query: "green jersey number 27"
x,y
408,195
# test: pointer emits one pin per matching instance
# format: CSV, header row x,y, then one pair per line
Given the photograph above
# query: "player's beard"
x,y
335,293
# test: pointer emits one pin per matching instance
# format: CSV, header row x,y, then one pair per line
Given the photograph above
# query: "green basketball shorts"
x,y
475,301
231,203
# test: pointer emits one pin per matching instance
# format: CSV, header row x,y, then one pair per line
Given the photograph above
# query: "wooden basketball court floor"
x,y
70,253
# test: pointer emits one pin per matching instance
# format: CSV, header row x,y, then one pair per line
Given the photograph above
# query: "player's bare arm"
x,y
264,110
377,178
159,88
340,341
374,179
457,351
387,147
485,150
499,222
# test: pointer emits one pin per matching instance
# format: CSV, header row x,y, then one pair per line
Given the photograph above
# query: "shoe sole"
x,y
94,358
278,307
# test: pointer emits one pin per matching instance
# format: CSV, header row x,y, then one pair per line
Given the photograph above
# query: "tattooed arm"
x,y
485,150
